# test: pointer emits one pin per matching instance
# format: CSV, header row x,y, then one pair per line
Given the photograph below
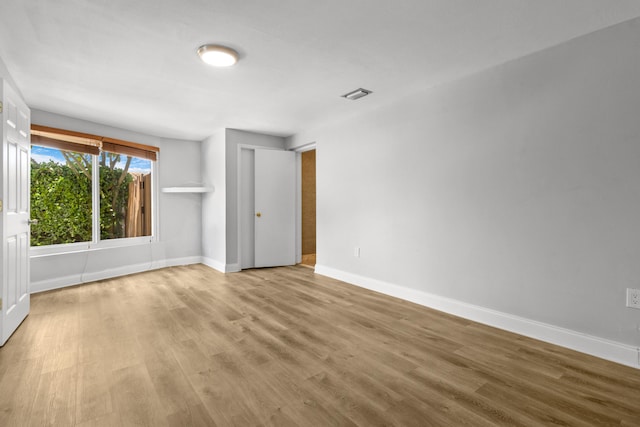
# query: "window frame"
x,y
96,243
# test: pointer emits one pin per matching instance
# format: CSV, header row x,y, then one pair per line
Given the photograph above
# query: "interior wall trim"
x,y
212,263
78,279
232,268
584,343
220,266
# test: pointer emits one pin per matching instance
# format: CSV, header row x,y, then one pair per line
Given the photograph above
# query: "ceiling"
x,y
133,64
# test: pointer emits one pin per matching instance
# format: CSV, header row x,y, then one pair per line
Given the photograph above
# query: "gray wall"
x,y
4,74
179,215
214,204
516,189
220,209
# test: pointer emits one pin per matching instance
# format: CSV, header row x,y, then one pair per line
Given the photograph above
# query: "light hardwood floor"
x,y
308,259
282,347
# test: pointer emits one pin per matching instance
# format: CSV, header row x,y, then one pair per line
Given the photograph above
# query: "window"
x,y
87,189
61,199
125,196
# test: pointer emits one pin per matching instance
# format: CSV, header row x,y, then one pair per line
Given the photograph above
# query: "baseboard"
x,y
77,279
56,283
233,268
174,262
220,266
216,265
599,347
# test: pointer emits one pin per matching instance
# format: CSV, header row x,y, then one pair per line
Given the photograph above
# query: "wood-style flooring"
x,y
285,347
308,259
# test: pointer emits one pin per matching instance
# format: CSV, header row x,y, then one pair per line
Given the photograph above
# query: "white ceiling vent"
x,y
358,93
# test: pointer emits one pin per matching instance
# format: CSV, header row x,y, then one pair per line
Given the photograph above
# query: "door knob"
x,y
258,214
32,221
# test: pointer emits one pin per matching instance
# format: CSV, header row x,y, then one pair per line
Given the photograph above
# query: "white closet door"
x,y
275,185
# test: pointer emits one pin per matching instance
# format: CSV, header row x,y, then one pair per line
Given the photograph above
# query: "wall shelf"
x,y
187,189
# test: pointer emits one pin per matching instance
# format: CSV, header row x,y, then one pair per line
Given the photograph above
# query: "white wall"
x,y
220,209
179,215
516,190
4,74
214,215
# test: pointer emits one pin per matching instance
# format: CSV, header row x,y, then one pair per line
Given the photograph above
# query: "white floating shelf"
x,y
187,189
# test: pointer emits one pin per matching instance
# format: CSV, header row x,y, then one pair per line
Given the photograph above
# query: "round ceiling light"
x,y
218,56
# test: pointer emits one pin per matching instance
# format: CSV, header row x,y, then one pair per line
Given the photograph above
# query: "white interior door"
x,y
15,211
275,213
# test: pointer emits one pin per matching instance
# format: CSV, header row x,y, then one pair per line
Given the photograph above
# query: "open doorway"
x,y
308,184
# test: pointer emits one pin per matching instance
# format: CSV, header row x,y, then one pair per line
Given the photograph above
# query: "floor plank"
x,y
286,347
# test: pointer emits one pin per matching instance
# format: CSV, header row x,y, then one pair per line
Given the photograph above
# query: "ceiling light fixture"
x,y
218,56
358,93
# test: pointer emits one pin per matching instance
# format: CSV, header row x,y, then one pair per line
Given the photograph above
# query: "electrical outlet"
x,y
633,298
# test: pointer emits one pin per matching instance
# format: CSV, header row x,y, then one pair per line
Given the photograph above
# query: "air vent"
x,y
356,94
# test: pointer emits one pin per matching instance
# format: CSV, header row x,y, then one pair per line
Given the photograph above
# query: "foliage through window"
x,y
125,196
60,196
63,184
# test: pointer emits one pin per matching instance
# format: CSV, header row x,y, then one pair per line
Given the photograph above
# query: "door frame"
x,y
239,171
299,150
298,196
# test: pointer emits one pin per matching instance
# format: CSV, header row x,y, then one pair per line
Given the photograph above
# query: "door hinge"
x,y
0,107
0,303
0,205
